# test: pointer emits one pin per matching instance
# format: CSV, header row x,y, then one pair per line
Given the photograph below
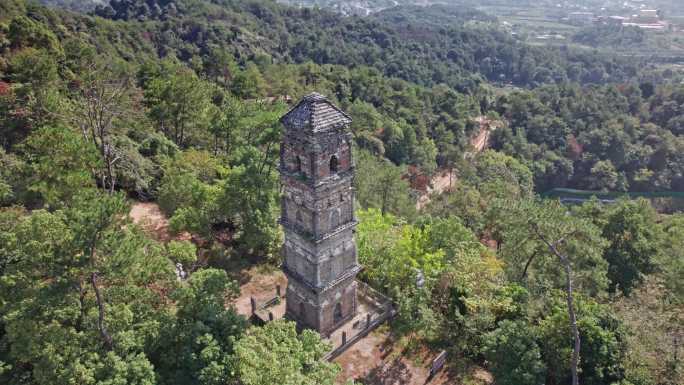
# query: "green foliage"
x,y
178,102
250,201
275,353
61,165
379,184
528,259
671,265
248,84
514,354
33,66
197,346
394,253
11,182
601,138
459,299
652,355
603,339
182,252
499,175
25,32
463,201
134,172
425,155
64,264
187,180
636,240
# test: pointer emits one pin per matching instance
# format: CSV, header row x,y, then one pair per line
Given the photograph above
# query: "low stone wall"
x,y
374,309
378,308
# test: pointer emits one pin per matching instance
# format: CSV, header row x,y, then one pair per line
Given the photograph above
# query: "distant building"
x,y
647,16
649,13
649,27
581,17
550,37
616,20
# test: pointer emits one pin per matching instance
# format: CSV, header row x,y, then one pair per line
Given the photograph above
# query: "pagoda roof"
x,y
314,112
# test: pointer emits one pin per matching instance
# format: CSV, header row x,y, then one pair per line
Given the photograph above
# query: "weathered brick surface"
x,y
319,251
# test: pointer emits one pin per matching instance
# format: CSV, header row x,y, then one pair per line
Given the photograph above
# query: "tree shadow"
x,y
390,373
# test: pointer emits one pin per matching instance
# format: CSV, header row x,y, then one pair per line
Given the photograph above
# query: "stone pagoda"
x,y
317,172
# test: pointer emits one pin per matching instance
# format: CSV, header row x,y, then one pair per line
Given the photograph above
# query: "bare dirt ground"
x,y
258,282
149,216
441,182
481,141
377,360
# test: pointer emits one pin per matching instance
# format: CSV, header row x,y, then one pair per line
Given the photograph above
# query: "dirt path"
x,y
440,183
481,141
149,216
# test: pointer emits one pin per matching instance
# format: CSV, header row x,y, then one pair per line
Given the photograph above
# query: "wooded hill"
x,y
178,102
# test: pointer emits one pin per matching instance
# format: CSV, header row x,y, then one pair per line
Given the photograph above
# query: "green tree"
x,y
529,259
76,301
276,353
636,242
197,346
188,180
379,184
463,201
33,67
249,83
26,32
249,200
603,339
393,251
183,252
498,175
603,176
671,264
34,100
11,177
513,354
178,101
573,245
425,156
220,65
653,354
61,164
636,239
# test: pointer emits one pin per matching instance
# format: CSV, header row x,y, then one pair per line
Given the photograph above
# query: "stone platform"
x,y
372,310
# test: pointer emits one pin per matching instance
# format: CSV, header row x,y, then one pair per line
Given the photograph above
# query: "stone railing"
x,y
383,312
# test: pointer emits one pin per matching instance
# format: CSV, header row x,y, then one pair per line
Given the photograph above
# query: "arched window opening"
x,y
334,219
338,312
298,164
333,164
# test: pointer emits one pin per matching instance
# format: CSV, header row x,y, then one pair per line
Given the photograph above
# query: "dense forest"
x,y
177,102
